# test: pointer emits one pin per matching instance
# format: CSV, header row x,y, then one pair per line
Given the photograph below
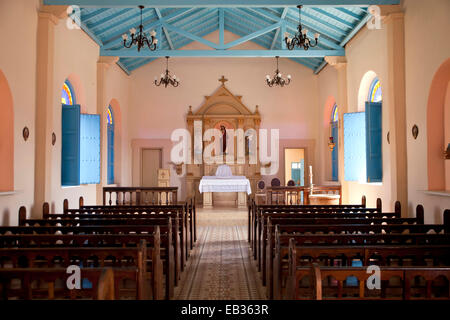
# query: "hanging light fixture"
x,y
140,39
277,79
166,78
300,39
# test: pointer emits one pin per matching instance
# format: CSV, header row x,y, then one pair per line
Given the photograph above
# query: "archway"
x,y
6,136
438,119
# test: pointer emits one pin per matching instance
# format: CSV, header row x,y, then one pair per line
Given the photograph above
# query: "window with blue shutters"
x,y
374,123
110,137
355,146
89,148
335,134
80,137
70,149
363,158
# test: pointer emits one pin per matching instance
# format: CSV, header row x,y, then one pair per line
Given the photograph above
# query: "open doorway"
x,y
294,165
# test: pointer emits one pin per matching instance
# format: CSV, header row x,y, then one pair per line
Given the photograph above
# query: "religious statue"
x,y
223,139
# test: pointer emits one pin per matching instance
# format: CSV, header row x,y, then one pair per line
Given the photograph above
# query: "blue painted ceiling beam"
x,y
216,3
251,36
88,16
166,33
224,53
274,41
221,26
107,19
341,21
190,35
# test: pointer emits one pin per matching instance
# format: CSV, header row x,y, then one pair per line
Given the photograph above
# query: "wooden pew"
x,y
258,211
107,219
253,207
134,257
324,219
104,281
404,276
104,241
186,210
339,240
262,238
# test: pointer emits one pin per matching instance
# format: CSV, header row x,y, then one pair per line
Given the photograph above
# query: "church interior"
x,y
225,150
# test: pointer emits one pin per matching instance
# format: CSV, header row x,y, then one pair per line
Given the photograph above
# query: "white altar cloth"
x,y
225,184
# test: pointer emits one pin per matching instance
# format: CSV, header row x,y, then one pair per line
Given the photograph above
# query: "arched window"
x,y
374,124
375,94
334,123
110,129
68,94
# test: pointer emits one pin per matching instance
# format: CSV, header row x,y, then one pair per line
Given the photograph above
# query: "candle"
x,y
310,175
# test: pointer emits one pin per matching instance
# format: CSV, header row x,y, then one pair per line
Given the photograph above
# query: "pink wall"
x,y
18,64
421,66
6,136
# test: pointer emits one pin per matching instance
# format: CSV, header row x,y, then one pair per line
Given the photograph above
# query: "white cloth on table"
x,y
223,171
225,184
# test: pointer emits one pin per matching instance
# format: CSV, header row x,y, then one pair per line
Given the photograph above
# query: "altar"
x,y
224,181
225,112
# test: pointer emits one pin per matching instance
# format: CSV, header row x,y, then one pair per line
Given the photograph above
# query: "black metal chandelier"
x,y
300,39
140,39
166,78
277,79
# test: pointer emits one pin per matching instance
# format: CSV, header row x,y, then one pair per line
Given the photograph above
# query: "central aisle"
x,y
220,266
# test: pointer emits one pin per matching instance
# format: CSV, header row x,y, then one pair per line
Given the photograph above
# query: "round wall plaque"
x,y
415,131
25,133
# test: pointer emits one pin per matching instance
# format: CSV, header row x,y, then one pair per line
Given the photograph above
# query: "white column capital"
x,y
336,61
53,13
107,61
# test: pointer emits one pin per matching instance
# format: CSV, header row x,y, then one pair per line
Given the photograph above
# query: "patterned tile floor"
x,y
220,266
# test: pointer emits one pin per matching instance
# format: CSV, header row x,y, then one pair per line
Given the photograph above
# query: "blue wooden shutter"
x,y
70,150
334,153
374,159
110,153
355,146
90,149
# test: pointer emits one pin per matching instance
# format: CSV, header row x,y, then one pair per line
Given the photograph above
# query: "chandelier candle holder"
x,y
301,39
166,78
277,79
139,38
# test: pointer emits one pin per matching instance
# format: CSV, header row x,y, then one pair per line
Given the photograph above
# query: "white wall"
x,y
428,21
18,63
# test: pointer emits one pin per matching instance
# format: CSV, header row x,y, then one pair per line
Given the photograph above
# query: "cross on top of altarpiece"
x,y
223,80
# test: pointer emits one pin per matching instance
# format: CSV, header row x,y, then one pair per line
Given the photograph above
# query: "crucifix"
x,y
223,80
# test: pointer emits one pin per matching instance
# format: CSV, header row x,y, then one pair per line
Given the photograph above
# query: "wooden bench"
x,y
69,219
341,226
87,258
256,212
328,218
186,211
253,208
104,241
339,240
104,281
329,282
